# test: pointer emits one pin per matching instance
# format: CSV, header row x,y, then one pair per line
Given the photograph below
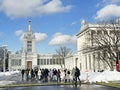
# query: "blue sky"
x,y
54,22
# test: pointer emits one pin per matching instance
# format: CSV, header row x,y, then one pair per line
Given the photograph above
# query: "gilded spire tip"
x,y
29,26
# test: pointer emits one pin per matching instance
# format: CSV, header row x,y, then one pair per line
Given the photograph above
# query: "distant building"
x,y
29,58
50,61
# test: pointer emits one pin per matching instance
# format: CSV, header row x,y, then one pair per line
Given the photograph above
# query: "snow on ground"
x,y
8,73
5,75
94,77
105,76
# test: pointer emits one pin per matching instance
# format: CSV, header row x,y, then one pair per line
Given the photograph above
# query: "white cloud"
x,y
107,2
60,39
19,32
110,1
21,37
40,36
73,23
25,8
108,11
1,34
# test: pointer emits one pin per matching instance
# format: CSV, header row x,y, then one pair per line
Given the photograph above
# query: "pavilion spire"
x,y
29,26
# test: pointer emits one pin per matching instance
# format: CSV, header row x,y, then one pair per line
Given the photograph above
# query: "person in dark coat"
x,y
77,73
36,73
22,72
58,75
32,74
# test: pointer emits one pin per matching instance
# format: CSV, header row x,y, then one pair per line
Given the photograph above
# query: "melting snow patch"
x,y
3,83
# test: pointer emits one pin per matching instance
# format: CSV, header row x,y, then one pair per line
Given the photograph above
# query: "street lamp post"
x,y
4,53
4,62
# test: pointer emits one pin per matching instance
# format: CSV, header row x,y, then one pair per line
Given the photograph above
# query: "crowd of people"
x,y
46,75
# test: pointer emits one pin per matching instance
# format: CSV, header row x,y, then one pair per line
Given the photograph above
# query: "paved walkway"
x,y
62,87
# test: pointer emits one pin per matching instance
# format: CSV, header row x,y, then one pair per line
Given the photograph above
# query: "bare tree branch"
x,y
106,40
63,52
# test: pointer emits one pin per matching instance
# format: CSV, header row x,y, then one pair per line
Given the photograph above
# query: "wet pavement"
x,y
64,87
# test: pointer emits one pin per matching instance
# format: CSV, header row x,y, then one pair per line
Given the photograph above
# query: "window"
x,y
53,61
44,61
12,62
50,61
105,32
19,62
29,42
41,61
38,61
57,61
16,62
47,61
29,46
62,61
99,32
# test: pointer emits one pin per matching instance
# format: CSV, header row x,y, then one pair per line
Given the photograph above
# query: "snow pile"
x,y
94,77
105,76
8,73
4,75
